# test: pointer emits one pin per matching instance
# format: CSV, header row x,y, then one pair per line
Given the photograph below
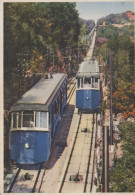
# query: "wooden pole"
x,y
105,159
111,114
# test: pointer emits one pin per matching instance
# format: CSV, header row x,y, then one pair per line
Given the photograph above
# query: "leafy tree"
x,y
122,49
37,37
122,46
123,98
33,31
127,132
122,174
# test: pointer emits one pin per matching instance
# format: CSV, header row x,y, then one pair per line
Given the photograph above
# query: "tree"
x,y
34,34
122,174
33,31
123,67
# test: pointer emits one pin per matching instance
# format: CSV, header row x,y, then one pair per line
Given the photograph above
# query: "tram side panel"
x,y
95,99
56,111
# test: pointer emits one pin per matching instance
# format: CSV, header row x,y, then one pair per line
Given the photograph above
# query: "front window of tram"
x,y
29,119
87,83
92,83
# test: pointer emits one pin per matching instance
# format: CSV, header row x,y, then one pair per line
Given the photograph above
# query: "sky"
x,y
96,10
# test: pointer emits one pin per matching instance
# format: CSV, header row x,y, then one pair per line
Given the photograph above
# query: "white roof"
x,y
88,68
41,93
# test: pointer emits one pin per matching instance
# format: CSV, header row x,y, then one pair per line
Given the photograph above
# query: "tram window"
x,y
78,83
58,103
56,107
43,119
96,83
53,109
82,83
14,120
87,82
28,119
37,119
63,93
49,122
93,82
19,119
90,82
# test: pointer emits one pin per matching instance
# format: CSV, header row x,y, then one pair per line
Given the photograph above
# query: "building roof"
x,y
40,95
88,68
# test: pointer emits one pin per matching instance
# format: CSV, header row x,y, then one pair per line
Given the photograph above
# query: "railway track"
x,y
77,173
26,181
70,82
13,180
78,159
83,153
71,89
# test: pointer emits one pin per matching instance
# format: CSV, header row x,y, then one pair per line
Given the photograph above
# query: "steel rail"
x,y
71,93
14,180
68,162
35,184
88,165
43,174
70,82
94,142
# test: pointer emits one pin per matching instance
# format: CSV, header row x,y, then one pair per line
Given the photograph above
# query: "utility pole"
x,y
105,159
105,68
111,115
108,148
